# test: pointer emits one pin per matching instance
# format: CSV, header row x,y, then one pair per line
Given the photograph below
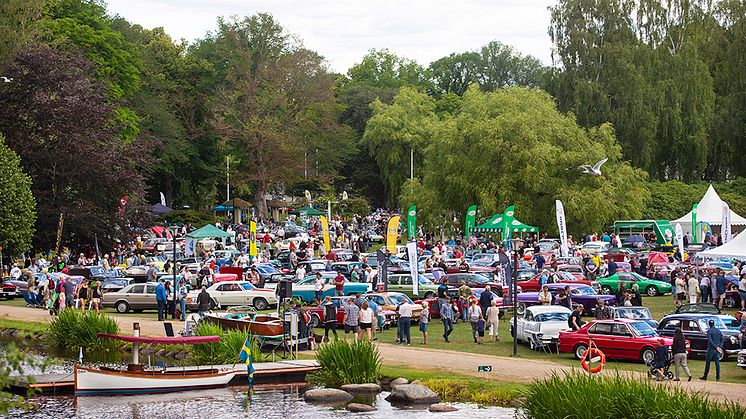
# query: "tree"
x,y
57,119
17,205
19,25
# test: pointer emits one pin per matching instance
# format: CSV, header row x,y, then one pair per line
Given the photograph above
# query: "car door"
x,y
405,285
694,334
135,296
235,295
149,297
393,284
623,341
521,326
601,334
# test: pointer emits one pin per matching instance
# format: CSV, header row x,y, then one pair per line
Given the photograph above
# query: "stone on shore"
x,y
360,407
398,381
442,408
412,394
362,388
327,395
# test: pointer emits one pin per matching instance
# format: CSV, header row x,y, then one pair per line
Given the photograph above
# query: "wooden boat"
x,y
135,379
260,325
111,381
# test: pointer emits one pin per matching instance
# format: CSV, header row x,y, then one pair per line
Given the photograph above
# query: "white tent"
x,y
709,210
736,248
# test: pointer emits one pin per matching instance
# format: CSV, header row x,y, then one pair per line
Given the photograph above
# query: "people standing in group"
x,y
330,317
367,317
474,314
447,316
492,321
545,297
351,319
692,287
678,349
714,350
405,322
563,297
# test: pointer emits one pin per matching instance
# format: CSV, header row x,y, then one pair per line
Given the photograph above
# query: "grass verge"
x,y
24,326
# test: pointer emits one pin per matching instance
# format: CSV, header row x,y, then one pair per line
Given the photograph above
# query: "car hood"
x,y
550,328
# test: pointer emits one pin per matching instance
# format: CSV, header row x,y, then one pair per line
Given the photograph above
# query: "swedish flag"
x,y
245,356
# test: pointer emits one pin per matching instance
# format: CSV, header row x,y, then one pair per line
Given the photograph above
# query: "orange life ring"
x,y
588,355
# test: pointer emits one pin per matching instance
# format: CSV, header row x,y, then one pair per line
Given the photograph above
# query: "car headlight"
x,y
734,340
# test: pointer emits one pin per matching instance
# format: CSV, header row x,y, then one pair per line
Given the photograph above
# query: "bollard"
x,y
136,345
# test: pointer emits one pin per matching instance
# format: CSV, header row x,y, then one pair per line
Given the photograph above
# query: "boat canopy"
x,y
175,340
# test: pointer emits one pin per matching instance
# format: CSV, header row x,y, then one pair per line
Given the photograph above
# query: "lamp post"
x,y
514,293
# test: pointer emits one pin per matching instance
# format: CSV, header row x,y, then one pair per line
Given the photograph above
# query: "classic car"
x,y
403,283
618,254
617,338
580,294
595,247
346,268
235,293
115,284
547,277
610,284
317,314
473,280
270,275
135,297
634,313
711,309
9,291
742,359
574,270
313,265
391,300
540,324
695,328
304,289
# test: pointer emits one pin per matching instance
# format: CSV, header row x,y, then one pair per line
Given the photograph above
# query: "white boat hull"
x,y
95,381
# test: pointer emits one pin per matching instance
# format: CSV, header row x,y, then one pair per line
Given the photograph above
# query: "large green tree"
x,y
19,25
17,204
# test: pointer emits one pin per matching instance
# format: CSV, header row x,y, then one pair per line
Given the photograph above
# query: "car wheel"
x,y
122,307
729,302
260,304
315,321
647,355
429,295
520,308
580,350
606,289
669,375
651,291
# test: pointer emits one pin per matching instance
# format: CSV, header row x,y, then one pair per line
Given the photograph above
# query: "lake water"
x,y
232,402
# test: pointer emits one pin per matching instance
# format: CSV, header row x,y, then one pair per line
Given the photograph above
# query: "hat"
x,y
662,341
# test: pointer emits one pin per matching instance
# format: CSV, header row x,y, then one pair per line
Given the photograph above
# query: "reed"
x,y
455,390
347,363
575,395
74,329
224,352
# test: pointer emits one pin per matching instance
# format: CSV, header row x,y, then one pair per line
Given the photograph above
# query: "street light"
x,y
515,242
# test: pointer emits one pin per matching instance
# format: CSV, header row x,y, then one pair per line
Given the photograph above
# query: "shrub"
x,y
224,352
347,363
74,329
576,395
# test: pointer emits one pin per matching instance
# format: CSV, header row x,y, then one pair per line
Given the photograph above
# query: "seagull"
x,y
595,170
6,79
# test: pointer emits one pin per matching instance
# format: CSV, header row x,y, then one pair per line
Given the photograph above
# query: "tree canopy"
x,y
17,204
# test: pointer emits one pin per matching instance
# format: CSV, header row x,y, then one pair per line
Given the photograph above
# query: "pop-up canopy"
x,y
207,232
506,224
709,210
308,211
736,248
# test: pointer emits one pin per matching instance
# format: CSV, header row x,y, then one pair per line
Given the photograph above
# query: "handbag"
x,y
480,326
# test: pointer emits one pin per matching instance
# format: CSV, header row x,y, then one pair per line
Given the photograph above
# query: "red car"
x,y
317,314
617,338
552,277
473,280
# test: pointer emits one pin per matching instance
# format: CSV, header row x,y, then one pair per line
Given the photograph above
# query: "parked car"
x,y
115,284
317,314
235,293
650,287
634,313
574,270
580,294
9,291
270,275
540,324
225,257
617,338
403,283
346,268
711,309
313,266
554,278
618,254
135,297
89,272
595,247
695,328
304,289
391,300
473,280
742,359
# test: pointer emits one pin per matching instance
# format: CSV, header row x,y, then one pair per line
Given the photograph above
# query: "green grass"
x,y
24,326
343,362
577,395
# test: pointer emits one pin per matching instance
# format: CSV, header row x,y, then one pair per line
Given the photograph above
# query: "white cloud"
x,y
344,30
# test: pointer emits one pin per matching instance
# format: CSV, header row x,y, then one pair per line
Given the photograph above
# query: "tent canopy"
x,y
308,211
709,210
159,209
506,224
207,232
736,248
236,202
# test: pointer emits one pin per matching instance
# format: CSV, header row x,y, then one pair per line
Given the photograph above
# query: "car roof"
x,y
690,316
597,243
548,309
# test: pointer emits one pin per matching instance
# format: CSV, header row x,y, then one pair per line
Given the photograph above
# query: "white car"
x,y
235,293
285,244
595,247
541,324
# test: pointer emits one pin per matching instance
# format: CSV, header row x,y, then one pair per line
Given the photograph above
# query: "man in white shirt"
x,y
15,272
405,322
318,287
242,261
300,273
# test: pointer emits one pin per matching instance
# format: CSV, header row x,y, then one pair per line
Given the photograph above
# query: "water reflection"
x,y
232,402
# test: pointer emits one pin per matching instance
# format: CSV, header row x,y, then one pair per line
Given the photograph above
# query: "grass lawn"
x,y
26,326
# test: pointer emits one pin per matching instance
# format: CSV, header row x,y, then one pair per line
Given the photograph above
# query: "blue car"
x,y
304,289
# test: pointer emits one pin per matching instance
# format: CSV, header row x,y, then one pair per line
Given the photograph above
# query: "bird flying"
x,y
595,170
6,79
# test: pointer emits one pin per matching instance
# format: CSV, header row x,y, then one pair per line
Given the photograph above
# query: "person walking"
x,y
352,318
464,293
475,316
720,285
704,287
160,299
96,296
330,317
367,317
446,316
318,287
204,301
485,300
181,295
714,350
82,296
339,284
692,287
492,317
661,356
679,354
424,320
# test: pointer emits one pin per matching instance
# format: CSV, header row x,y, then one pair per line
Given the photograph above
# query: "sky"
x,y
344,30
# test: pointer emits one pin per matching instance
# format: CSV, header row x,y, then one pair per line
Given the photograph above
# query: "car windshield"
x,y
546,246
483,257
247,286
636,313
698,308
643,329
97,270
479,279
704,323
398,298
551,317
585,290
267,269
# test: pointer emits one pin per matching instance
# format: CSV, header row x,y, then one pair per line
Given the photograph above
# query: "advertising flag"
x,y
325,231
680,239
412,256
509,217
163,199
252,239
392,231
382,273
694,223
471,217
725,230
562,227
412,222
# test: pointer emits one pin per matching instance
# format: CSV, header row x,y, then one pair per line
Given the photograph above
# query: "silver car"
x,y
135,297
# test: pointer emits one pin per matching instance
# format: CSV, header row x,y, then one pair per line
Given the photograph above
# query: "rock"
x,y
326,395
398,381
362,388
416,382
442,408
160,352
359,407
412,394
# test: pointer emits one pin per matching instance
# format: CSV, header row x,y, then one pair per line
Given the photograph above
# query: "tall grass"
x,y
74,329
347,363
224,352
576,395
455,390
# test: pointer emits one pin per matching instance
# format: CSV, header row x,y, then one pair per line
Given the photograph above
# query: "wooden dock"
x,y
286,371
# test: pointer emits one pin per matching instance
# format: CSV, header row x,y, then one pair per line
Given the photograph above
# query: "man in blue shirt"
x,y
721,283
714,350
378,316
160,299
